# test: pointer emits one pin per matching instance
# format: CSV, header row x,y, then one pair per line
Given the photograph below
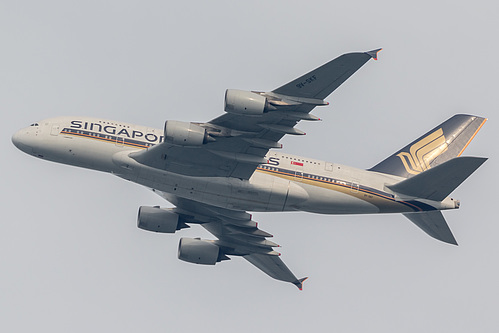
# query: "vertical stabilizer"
x,y
446,141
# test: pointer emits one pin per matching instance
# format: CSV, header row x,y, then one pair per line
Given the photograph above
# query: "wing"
x,y
237,235
234,144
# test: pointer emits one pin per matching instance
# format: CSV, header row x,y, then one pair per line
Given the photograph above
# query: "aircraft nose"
x,y
18,139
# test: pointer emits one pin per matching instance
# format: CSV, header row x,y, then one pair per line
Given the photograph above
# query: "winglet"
x,y
299,283
374,53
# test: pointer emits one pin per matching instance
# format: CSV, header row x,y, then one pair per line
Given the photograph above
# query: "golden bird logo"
x,y
423,152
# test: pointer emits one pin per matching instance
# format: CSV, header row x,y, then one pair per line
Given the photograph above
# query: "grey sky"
x,y
72,258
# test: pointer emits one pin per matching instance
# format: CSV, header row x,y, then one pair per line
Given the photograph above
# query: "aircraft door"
x,y
55,130
298,168
120,141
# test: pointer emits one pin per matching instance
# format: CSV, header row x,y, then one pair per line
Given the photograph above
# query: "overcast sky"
x,y
71,256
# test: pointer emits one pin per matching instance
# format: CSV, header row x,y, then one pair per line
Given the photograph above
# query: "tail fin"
x,y
444,142
433,223
437,183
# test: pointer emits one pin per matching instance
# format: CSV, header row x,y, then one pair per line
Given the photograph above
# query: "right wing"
x,y
237,143
237,235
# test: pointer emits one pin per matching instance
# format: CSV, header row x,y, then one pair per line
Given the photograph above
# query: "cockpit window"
x,y
35,124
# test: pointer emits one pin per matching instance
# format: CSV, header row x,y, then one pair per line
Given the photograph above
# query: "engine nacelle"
x,y
158,220
198,251
244,102
185,134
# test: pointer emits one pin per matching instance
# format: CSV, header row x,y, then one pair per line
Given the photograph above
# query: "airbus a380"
x,y
215,172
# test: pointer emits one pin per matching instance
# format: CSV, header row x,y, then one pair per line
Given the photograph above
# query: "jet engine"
x,y
185,134
245,102
158,220
198,251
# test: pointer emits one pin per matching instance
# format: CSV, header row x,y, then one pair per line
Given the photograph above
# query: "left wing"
x,y
234,144
237,235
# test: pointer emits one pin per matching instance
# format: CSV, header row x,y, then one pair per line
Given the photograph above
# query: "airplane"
x,y
215,172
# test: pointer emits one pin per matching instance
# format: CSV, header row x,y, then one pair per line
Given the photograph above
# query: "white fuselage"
x,y
285,183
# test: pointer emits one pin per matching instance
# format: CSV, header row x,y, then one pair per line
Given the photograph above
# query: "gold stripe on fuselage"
x,y
100,137
385,203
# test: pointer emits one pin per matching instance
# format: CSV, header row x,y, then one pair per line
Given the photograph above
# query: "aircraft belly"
x,y
266,193
222,192
215,192
256,194
262,194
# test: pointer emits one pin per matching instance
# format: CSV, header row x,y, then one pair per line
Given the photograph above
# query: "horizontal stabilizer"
x,y
433,223
438,182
